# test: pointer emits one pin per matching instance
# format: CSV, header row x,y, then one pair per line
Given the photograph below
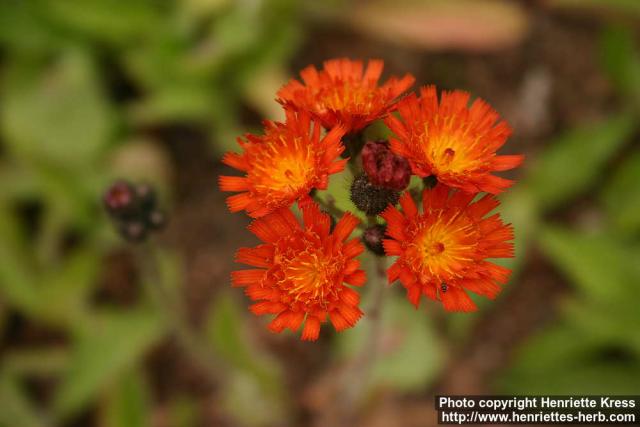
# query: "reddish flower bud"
x,y
383,167
373,237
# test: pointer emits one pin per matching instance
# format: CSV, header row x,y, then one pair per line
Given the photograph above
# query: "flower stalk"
x,y
194,345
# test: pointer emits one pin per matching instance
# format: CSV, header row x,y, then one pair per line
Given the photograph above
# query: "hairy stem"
x,y
333,210
330,206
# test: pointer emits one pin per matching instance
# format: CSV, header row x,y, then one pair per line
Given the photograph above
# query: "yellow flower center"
x,y
283,167
310,275
449,150
442,247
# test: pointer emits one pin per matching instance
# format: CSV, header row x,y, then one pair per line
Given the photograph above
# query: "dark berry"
x,y
373,237
383,167
371,199
120,200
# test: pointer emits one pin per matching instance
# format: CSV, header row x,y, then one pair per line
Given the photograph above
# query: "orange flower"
x,y
342,94
442,252
302,271
283,165
452,141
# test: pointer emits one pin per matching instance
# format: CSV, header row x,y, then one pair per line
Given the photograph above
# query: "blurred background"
x,y
156,90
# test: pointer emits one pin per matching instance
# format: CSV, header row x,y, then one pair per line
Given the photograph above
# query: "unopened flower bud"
x,y
383,167
373,237
133,210
370,198
120,200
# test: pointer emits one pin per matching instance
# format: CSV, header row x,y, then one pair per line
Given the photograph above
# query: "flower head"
x,y
283,165
302,270
442,252
344,92
452,141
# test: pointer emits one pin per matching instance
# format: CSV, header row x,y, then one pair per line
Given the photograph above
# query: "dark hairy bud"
x,y
383,167
370,198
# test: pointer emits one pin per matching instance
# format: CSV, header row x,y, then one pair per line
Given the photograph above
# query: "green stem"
x,y
358,375
334,211
172,306
330,207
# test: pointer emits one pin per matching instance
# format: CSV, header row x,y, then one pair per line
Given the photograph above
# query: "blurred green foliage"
x,y
593,348
79,80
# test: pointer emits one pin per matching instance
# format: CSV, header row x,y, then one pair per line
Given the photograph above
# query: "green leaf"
x,y
45,362
227,329
600,267
255,393
17,182
63,292
57,115
128,403
183,411
621,61
565,361
595,319
174,103
107,20
621,197
574,161
15,407
518,207
103,349
17,278
24,29
574,356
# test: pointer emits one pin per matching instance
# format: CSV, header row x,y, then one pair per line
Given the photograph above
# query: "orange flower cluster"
x,y
304,272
